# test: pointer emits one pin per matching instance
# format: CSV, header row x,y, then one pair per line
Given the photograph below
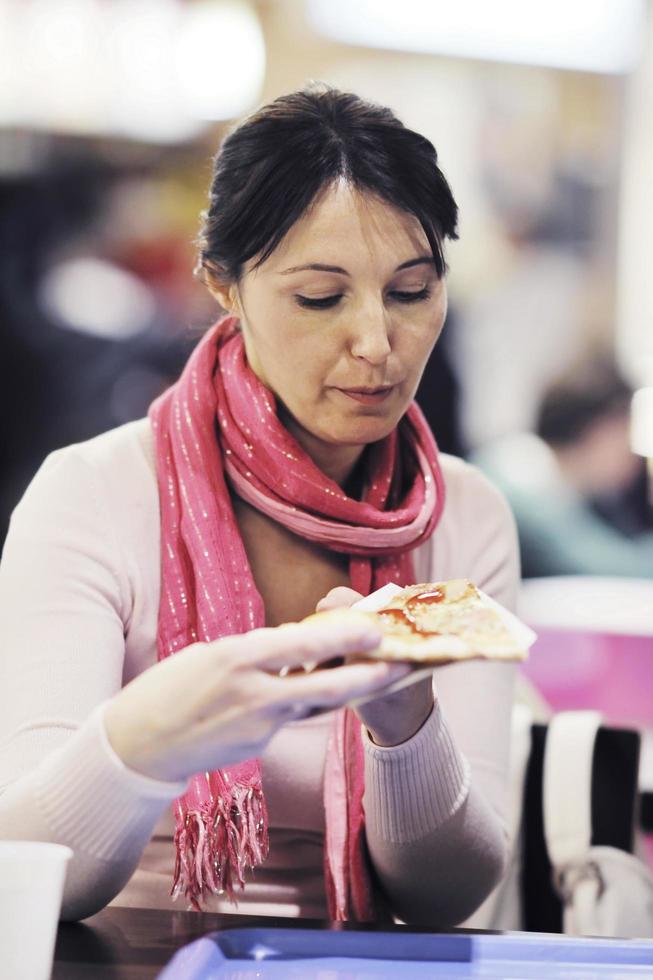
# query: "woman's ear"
x,y
223,291
226,296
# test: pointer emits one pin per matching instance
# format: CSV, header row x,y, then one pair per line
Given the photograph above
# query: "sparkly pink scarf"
x,y
217,430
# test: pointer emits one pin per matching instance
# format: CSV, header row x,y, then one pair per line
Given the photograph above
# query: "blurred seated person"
x,y
570,483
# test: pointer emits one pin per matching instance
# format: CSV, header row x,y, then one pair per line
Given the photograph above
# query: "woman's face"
x,y
340,320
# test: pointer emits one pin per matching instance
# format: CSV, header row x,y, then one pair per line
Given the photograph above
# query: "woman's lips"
x,y
368,396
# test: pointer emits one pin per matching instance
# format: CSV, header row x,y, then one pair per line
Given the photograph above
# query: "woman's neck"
x,y
338,462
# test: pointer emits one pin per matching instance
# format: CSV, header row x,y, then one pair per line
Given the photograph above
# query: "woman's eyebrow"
x,y
422,260
316,266
320,267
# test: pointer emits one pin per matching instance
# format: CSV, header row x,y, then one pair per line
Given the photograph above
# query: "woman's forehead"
x,y
345,224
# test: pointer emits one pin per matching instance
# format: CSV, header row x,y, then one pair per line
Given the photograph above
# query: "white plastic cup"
x,y
32,875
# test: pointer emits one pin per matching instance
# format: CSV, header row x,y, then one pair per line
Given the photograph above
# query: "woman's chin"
x,y
341,429
358,432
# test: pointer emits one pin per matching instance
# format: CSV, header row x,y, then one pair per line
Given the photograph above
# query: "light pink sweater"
x,y
79,593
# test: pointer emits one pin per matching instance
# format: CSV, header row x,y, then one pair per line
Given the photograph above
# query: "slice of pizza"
x,y
450,620
436,623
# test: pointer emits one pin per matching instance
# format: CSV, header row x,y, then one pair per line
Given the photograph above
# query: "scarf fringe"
x,y
217,844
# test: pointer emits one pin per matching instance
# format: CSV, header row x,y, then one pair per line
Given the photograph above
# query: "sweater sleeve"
x,y
64,605
436,806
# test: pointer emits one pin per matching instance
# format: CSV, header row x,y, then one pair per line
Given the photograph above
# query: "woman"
x,y
287,465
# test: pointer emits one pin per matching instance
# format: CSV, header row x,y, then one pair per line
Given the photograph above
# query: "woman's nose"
x,y
370,335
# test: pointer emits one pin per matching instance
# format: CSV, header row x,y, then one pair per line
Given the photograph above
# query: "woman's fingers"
x,y
311,642
338,597
332,688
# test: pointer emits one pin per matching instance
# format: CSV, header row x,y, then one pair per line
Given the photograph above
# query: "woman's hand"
x,y
215,704
392,718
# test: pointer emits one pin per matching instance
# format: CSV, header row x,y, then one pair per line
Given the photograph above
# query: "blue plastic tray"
x,y
302,954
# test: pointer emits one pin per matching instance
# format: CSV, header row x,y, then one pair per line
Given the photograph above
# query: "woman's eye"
x,y
318,304
410,297
327,302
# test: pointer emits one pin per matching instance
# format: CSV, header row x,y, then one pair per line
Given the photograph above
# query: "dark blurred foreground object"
x,y
60,385
577,490
438,394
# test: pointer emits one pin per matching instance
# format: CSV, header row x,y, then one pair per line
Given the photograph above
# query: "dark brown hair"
x,y
583,397
272,167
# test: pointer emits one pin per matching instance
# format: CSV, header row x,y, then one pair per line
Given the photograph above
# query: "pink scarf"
x,y
215,429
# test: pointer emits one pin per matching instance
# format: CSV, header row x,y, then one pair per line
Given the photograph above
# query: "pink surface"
x,y
608,672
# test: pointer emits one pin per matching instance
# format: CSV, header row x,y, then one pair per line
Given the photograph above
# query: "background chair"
x,y
595,650
614,816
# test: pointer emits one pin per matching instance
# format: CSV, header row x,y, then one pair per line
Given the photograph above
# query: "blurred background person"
x,y
574,484
523,321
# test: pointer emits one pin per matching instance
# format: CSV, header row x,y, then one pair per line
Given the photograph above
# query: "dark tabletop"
x,y
135,944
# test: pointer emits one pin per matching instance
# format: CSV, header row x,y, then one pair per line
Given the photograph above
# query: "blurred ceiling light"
x,y
220,59
641,423
49,62
153,70
578,34
145,101
92,296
